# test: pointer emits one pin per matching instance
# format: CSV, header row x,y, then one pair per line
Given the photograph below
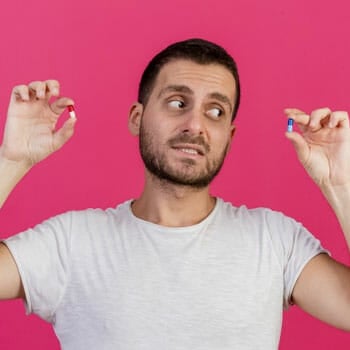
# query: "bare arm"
x,y
11,285
323,147
30,136
323,290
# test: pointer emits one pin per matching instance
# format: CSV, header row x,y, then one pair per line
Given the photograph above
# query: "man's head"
x,y
188,97
196,50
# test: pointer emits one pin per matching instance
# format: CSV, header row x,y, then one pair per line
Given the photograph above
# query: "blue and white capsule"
x,y
290,125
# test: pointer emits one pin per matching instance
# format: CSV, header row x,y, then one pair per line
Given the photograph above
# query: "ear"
x,y
233,130
135,115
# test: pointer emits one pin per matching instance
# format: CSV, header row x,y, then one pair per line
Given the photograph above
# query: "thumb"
x,y
300,145
59,105
62,135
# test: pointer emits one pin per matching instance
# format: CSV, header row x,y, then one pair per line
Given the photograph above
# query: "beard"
x,y
186,174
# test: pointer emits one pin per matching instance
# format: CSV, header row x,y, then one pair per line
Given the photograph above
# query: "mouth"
x,y
190,149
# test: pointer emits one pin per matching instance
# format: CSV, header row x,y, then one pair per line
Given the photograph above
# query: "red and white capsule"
x,y
71,111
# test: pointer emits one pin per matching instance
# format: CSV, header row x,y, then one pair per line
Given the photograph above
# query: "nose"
x,y
193,123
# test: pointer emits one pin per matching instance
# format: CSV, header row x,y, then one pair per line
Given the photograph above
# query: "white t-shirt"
x,y
108,280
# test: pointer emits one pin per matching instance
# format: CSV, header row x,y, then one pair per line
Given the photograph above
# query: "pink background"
x,y
290,53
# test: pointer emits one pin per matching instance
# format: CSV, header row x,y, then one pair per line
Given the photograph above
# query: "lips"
x,y
188,150
193,149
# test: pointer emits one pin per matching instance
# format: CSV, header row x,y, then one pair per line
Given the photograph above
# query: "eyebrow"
x,y
185,89
176,88
222,98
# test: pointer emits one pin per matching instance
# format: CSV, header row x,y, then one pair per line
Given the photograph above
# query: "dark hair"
x,y
196,50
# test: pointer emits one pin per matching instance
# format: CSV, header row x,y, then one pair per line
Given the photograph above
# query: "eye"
x,y
214,112
176,104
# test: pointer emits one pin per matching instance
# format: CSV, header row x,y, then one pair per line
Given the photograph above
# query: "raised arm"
x,y
323,147
30,136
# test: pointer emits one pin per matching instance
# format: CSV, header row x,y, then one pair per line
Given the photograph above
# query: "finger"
x,y
300,117
300,145
319,118
37,89
293,111
61,104
62,135
52,87
339,119
20,92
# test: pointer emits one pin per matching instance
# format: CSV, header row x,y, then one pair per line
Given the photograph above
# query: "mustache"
x,y
185,138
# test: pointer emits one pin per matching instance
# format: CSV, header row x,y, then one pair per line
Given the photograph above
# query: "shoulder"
x,y
90,216
264,224
258,215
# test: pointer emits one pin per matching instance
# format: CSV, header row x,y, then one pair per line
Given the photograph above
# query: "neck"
x,y
172,205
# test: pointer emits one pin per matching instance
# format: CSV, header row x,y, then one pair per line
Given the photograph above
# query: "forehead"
x,y
201,78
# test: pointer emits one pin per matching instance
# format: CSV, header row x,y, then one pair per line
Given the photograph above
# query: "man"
x,y
176,268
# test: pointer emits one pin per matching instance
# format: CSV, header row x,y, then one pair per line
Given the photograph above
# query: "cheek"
x,y
221,140
153,119
155,135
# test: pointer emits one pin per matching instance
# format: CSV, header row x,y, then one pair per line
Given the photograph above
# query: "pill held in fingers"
x,y
71,112
290,125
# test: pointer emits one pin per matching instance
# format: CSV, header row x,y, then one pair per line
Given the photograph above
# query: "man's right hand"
x,y
30,136
30,130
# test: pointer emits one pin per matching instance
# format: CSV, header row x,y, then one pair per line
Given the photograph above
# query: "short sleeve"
x,y
295,247
42,258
